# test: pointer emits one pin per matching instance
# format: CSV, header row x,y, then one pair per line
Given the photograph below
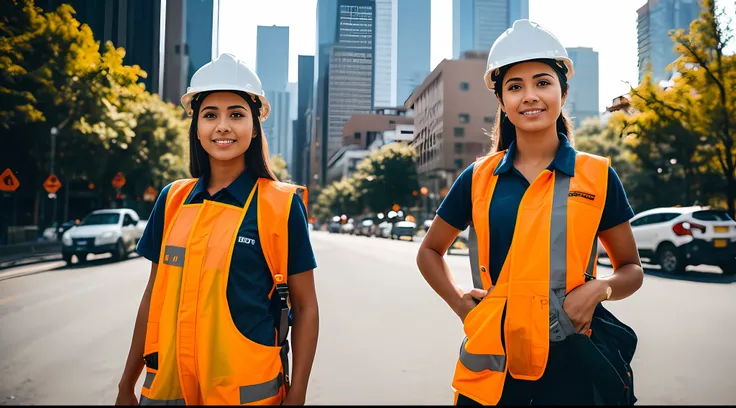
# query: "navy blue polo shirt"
x,y
249,283
456,208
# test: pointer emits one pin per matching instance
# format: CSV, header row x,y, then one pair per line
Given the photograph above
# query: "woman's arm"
x,y
304,336
628,274
134,363
627,277
437,273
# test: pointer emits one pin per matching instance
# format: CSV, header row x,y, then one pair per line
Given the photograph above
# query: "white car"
x,y
675,237
103,231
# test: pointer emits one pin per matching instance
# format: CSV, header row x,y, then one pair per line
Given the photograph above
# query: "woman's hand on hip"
x,y
580,303
468,302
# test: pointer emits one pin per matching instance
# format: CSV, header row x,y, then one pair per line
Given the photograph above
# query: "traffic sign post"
x,y
8,181
119,180
150,194
52,184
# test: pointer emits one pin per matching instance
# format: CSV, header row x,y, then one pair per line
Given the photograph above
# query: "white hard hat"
x,y
226,73
525,41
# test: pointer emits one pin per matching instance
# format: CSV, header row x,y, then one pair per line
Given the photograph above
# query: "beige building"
x,y
453,111
361,133
362,129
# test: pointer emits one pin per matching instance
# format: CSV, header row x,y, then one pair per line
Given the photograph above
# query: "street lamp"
x,y
54,131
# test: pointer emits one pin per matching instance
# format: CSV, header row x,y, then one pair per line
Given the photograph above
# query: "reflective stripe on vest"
x,y
569,211
190,327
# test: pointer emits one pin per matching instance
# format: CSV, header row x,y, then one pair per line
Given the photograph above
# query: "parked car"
x,y
403,229
348,227
675,237
383,230
365,227
103,231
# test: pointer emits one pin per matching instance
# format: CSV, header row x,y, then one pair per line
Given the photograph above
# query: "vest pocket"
x,y
527,344
481,369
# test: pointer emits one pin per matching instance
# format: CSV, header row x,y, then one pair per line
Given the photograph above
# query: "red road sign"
x,y
118,181
8,181
52,184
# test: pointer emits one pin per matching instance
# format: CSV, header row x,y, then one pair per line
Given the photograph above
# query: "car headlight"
x,y
107,235
66,239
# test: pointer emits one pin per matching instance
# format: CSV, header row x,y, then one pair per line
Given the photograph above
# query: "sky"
x,y
607,26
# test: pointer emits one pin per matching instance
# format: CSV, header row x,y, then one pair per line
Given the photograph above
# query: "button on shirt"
x,y
456,208
249,283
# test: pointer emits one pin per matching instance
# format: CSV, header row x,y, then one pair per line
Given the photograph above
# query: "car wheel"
x,y
729,268
670,260
67,258
120,252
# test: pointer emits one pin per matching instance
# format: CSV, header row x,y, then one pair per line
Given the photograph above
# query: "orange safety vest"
x,y
554,247
202,358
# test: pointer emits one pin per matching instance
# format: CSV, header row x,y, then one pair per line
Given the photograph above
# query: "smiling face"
x,y
532,96
225,126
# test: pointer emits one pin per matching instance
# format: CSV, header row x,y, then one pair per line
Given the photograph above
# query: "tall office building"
x,y
345,63
413,35
272,57
272,67
278,125
384,85
655,19
302,128
203,18
136,25
582,100
189,43
477,23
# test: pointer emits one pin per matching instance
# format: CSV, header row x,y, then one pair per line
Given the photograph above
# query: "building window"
x,y
463,117
464,86
488,119
459,132
357,135
459,164
458,148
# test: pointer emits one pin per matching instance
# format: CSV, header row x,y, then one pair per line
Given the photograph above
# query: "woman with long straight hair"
x,y
231,256
535,330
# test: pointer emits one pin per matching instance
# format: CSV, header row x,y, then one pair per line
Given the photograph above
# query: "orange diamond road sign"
x,y
150,194
118,181
52,184
8,181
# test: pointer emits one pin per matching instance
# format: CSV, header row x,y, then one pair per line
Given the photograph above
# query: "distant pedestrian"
x,y
212,325
536,333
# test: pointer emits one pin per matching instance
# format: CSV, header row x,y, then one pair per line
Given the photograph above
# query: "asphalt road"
x,y
385,337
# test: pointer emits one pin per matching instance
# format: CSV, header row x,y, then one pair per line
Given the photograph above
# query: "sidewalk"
x,y
29,252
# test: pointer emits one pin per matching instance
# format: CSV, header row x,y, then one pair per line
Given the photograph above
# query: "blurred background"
x,y
378,106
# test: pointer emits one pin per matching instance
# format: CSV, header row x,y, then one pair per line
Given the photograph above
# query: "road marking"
x,y
7,299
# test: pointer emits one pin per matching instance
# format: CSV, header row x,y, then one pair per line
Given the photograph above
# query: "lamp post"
x,y
54,132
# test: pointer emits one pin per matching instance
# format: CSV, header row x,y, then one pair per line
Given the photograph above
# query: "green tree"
x,y
53,74
387,177
278,165
338,198
692,120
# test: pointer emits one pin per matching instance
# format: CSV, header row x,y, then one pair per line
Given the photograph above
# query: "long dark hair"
x,y
256,157
504,132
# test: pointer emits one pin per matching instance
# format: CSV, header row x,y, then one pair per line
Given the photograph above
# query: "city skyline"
x,y
613,37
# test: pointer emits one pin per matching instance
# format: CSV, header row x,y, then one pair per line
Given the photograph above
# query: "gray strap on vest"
x,y
474,260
